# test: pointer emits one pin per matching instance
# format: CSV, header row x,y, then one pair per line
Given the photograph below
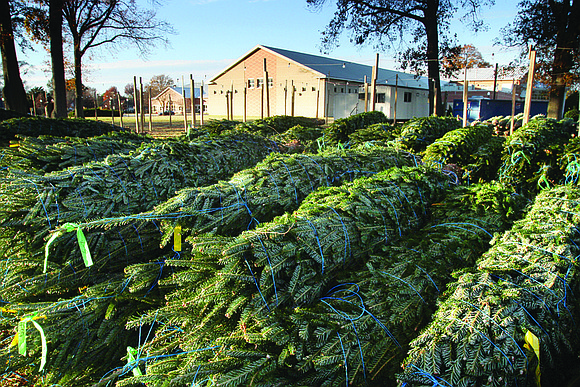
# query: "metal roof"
x,y
340,70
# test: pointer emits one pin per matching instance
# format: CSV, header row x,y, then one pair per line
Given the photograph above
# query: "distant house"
x,y
481,82
171,99
308,85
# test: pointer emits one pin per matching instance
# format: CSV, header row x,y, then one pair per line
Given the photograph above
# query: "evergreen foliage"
x,y
49,153
530,156
381,133
276,125
59,127
342,128
526,282
473,149
37,207
261,277
418,133
275,186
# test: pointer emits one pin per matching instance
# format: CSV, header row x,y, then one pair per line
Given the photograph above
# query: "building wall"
x,y
285,76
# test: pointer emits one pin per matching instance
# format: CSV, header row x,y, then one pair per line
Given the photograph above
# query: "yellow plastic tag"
x,y
533,343
14,341
177,238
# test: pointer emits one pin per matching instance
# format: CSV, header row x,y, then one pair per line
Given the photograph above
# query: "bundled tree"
x,y
256,280
514,318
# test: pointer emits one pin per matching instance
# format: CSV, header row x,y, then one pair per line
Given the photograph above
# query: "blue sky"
x,y
211,34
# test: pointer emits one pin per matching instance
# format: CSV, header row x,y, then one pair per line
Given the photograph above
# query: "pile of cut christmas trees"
x,y
285,253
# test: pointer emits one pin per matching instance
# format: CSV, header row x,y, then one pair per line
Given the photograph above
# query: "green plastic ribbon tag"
x,y
22,338
131,353
83,245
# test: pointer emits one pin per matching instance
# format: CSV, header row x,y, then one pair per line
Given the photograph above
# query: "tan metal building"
x,y
308,85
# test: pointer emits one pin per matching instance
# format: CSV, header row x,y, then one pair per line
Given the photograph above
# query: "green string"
x,y
22,338
83,245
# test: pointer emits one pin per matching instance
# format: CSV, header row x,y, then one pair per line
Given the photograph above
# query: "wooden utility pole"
x,y
266,85
135,105
374,83
530,86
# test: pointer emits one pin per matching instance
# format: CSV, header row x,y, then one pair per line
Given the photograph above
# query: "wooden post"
x,y
465,103
494,81
317,97
96,106
120,109
135,105
227,105
262,101
141,97
286,96
33,103
232,100
192,101
396,96
112,111
293,96
170,111
244,114
266,85
434,99
512,121
150,118
366,90
530,86
374,83
201,103
184,104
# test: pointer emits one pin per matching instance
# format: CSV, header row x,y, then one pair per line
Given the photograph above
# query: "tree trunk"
x,y
566,17
431,30
57,58
78,81
13,91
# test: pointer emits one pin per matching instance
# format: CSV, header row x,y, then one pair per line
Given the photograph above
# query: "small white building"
x,y
308,85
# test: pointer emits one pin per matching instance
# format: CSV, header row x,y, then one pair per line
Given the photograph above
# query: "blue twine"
x,y
346,236
317,241
257,285
408,284
271,268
